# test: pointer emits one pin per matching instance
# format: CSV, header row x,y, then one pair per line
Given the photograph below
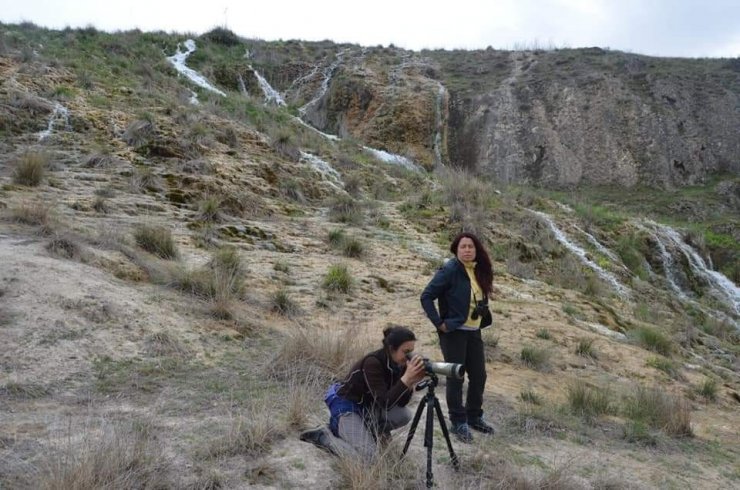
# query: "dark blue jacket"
x,y
451,287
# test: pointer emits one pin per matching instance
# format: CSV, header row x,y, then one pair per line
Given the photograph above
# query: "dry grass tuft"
x,y
66,246
156,240
109,457
660,410
387,470
34,214
30,168
250,433
323,354
166,344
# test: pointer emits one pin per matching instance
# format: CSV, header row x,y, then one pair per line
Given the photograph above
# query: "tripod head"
x,y
431,381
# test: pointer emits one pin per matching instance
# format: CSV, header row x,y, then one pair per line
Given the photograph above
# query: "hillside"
x,y
185,268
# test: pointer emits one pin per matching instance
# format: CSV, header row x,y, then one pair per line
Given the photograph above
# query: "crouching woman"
x,y
371,401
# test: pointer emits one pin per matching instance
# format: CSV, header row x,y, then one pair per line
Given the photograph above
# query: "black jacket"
x,y
375,381
451,287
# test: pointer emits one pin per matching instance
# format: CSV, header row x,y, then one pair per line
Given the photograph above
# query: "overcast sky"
x,y
655,27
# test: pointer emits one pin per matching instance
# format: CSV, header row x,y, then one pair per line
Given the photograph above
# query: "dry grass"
x,y
486,470
66,246
535,357
209,210
156,240
166,344
23,391
588,401
660,410
30,168
108,457
387,470
250,433
35,214
324,354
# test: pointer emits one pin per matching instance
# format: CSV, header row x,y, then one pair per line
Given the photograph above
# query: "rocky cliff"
x,y
553,118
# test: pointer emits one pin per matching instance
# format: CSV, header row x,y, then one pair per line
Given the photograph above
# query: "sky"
x,y
686,28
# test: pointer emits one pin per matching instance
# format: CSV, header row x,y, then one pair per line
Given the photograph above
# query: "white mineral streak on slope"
x,y
328,72
330,175
330,137
178,61
719,283
440,119
579,252
194,98
242,86
393,159
60,112
271,95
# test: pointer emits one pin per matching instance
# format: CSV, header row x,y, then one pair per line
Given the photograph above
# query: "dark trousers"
x,y
466,348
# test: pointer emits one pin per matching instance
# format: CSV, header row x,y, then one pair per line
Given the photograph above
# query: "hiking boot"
x,y
319,438
481,426
462,432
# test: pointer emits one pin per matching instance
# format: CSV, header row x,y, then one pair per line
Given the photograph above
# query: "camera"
x,y
449,369
480,310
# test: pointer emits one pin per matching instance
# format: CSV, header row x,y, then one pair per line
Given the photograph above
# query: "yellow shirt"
x,y
475,293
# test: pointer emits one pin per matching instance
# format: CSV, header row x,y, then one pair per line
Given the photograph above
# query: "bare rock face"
x,y
551,118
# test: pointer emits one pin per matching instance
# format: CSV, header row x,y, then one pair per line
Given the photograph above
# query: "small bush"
x,y
652,340
338,278
637,431
585,348
65,246
30,168
587,401
708,389
336,237
34,214
543,333
325,354
100,205
250,434
145,179
353,248
140,133
209,209
282,304
221,35
529,396
665,365
156,240
281,266
283,143
535,357
346,209
668,413
23,391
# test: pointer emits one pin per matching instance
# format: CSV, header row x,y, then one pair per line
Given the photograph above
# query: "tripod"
x,y
431,403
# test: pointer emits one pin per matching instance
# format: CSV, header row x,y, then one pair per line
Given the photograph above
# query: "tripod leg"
x,y
429,437
445,432
414,423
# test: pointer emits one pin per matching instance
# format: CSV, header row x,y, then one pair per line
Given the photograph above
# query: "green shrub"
x,y
284,145
336,237
156,240
652,340
665,365
589,401
535,357
30,168
353,248
708,389
585,348
282,304
221,35
338,278
637,431
281,266
544,333
209,209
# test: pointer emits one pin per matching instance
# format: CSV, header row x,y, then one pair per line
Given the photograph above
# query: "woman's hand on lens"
x,y
415,371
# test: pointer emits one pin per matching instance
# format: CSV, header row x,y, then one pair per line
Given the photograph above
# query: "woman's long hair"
x,y
483,267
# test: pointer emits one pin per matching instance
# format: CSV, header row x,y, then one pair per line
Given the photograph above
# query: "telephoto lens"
x,y
449,369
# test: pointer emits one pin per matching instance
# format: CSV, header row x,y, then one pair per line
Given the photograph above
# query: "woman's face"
x,y
466,250
399,355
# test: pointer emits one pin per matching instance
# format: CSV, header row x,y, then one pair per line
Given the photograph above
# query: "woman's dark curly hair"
x,y
396,335
483,267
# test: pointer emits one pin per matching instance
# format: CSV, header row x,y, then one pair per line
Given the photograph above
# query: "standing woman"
x,y
462,287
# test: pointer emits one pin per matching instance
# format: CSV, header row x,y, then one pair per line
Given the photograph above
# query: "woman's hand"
x,y
415,371
442,328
